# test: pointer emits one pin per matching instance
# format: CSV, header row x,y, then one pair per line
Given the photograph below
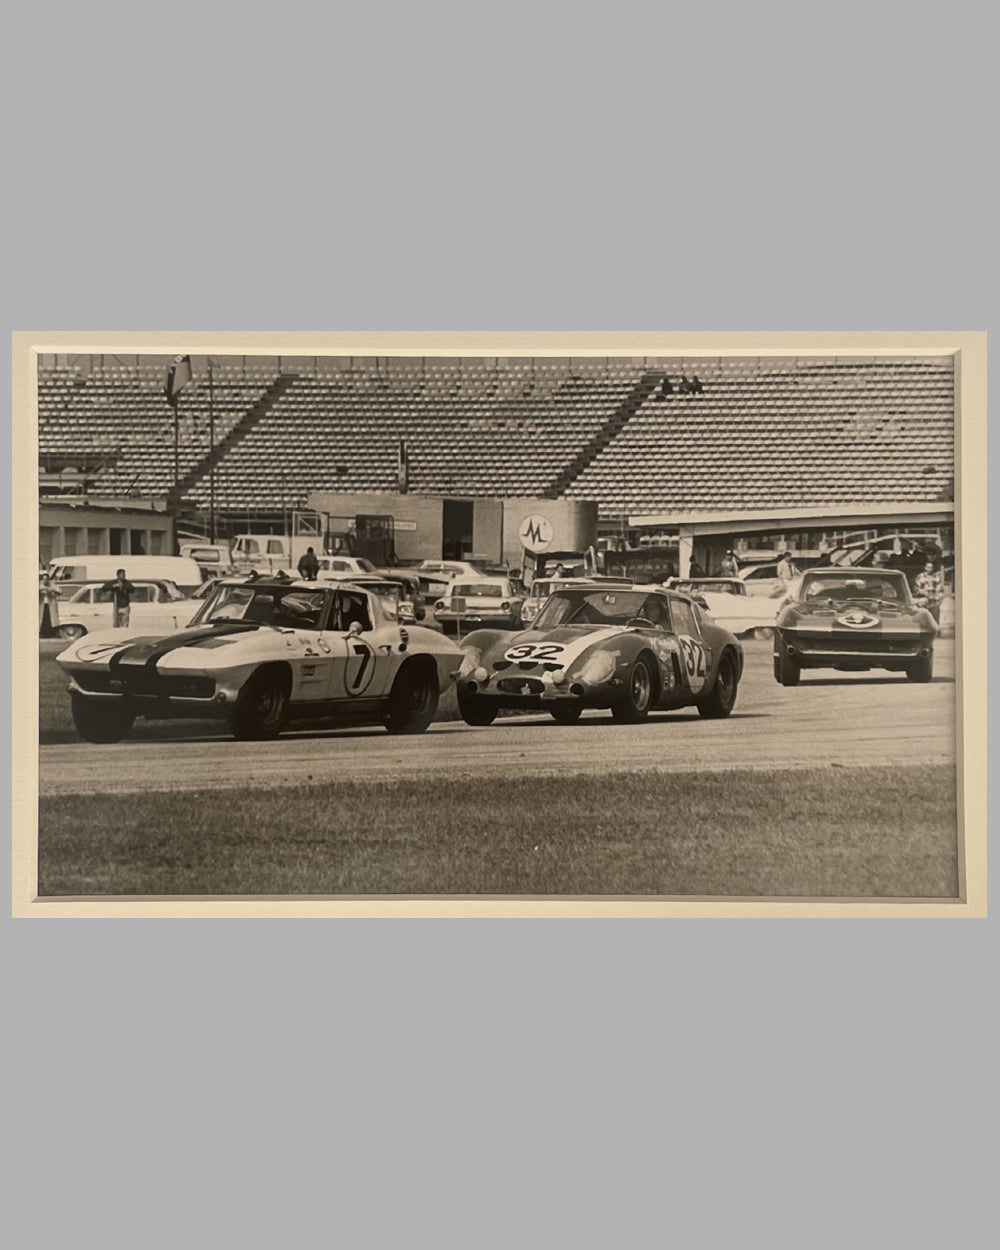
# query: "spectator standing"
x,y
929,585
121,590
48,605
309,566
696,570
730,566
785,569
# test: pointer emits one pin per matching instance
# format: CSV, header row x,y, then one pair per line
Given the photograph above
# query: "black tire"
x,y
922,669
722,699
786,670
261,708
566,713
413,700
477,711
97,721
71,632
634,704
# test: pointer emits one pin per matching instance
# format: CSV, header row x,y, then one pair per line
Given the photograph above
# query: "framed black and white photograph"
x,y
497,624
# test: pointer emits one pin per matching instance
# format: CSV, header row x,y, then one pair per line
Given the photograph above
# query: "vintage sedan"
x,y
629,649
437,575
471,602
730,604
263,653
853,621
155,605
763,579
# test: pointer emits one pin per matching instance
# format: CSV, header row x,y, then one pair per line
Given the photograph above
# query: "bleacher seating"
x,y
783,434
762,433
471,432
120,416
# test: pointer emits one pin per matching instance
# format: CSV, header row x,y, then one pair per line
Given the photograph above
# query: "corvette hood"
x,y
137,651
857,619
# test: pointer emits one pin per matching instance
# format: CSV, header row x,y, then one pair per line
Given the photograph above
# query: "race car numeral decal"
x,y
694,661
358,677
533,651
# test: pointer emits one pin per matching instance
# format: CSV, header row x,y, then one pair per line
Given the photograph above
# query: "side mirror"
x,y
354,629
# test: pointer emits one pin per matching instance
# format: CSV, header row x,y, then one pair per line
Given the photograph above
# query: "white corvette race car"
x,y
261,653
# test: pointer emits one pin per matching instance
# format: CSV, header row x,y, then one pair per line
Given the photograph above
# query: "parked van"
x,y
185,573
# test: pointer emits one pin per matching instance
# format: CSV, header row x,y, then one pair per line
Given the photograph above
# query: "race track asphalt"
x,y
830,719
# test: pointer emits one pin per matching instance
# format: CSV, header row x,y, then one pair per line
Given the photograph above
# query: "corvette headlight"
x,y
470,661
598,668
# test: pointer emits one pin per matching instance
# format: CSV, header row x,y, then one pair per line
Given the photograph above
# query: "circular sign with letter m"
x,y
536,533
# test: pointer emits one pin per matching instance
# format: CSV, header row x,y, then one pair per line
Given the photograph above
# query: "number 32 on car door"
x,y
693,659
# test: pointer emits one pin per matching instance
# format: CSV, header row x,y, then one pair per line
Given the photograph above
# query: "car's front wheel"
x,y
477,711
413,700
922,669
261,708
635,701
722,699
71,632
97,721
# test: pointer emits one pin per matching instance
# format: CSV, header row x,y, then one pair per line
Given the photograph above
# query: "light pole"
x,y
211,451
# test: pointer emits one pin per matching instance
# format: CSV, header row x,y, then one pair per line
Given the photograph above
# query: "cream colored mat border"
x,y
970,351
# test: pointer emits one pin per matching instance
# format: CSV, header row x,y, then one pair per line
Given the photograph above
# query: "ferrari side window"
x,y
684,618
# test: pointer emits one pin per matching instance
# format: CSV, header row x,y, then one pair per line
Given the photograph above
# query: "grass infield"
x,y
869,832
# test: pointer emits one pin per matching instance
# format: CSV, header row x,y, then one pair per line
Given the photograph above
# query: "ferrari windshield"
x,y
840,588
601,607
289,607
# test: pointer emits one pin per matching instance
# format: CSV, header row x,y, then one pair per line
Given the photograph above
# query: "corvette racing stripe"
x,y
148,651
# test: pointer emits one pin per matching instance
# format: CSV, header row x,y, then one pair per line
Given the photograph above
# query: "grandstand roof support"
x,y
933,512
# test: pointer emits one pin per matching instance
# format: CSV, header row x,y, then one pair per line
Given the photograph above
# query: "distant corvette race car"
x,y
630,649
853,620
263,653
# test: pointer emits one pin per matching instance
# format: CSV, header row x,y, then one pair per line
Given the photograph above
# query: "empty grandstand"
x,y
650,435
799,433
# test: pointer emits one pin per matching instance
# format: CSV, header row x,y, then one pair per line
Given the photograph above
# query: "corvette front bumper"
x,y
831,650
